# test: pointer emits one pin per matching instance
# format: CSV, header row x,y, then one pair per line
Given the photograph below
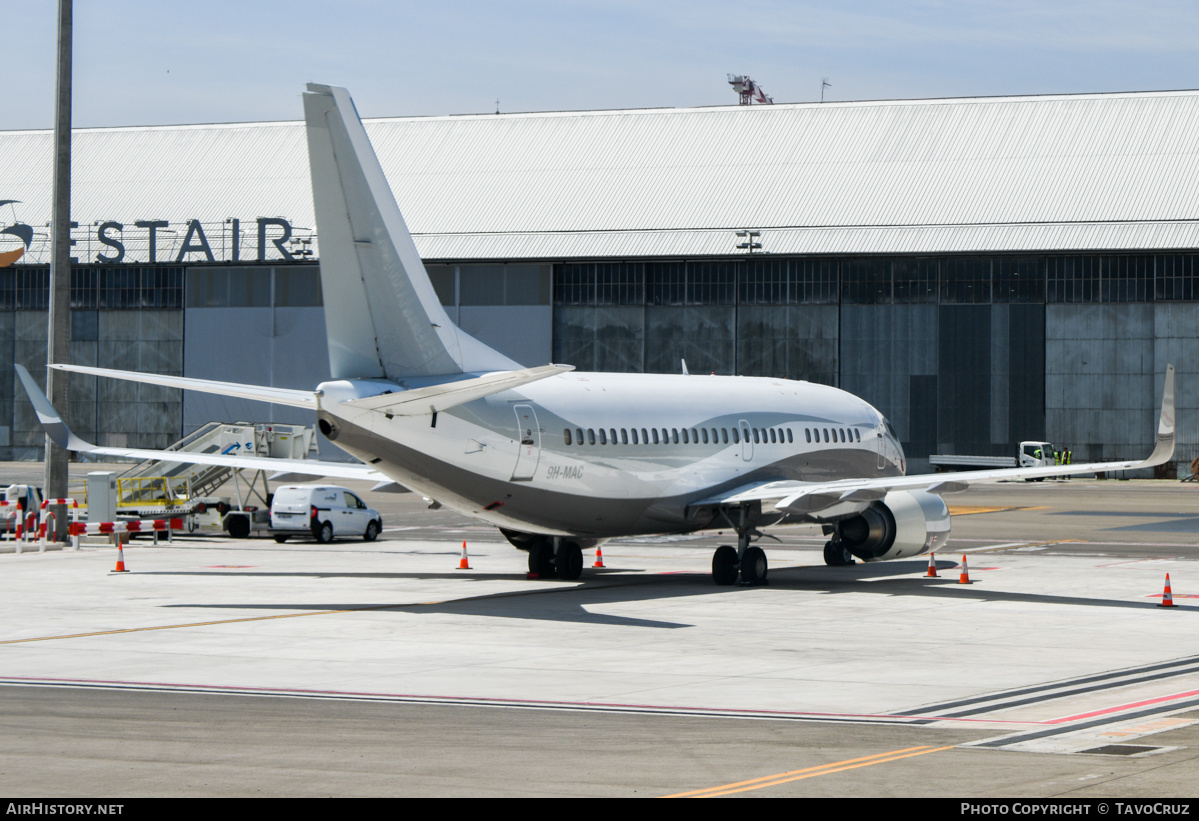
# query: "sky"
x,y
138,62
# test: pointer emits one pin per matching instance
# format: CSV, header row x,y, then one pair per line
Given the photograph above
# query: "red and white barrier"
x,y
15,513
143,526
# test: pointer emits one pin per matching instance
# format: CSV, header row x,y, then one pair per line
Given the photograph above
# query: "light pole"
x,y
58,343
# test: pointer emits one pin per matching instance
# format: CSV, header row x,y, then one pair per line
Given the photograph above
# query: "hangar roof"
x,y
1043,173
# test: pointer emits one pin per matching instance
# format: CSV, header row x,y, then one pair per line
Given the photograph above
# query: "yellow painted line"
x,y
966,510
279,616
1020,546
810,772
210,623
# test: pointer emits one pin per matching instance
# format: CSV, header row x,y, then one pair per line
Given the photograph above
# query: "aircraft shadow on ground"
x,y
556,602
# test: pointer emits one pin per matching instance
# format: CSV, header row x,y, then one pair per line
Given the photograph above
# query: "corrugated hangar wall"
x,y
952,378
107,411
1104,370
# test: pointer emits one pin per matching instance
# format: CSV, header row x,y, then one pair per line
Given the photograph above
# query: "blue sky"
x,y
143,63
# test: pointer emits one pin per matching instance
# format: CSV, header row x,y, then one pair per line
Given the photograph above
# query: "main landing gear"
x,y
556,557
835,554
744,560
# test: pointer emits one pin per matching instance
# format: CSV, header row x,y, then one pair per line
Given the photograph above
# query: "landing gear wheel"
x,y
836,556
541,559
238,526
372,532
323,532
724,565
569,561
753,566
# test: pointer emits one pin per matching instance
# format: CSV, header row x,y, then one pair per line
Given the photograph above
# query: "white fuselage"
x,y
598,454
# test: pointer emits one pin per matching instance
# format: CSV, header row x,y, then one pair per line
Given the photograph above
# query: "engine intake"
x,y
904,523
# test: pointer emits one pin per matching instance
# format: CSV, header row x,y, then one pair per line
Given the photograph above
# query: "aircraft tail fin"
x,y
383,317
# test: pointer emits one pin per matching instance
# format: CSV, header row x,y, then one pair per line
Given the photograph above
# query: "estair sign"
x,y
112,242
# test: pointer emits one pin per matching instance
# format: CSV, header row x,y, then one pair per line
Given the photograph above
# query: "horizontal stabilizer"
x,y
446,395
277,396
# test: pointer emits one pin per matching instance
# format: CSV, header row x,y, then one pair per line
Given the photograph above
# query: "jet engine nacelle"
x,y
905,523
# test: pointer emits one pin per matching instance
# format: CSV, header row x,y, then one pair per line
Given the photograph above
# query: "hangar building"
x,y
982,270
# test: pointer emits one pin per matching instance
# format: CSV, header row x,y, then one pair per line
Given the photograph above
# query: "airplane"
x,y
559,460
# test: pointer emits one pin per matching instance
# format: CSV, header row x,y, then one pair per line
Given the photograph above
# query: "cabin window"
x,y
842,434
655,436
826,435
591,435
612,434
579,436
674,436
857,434
736,436
624,436
603,437
755,436
566,436
686,440
724,435
705,433
808,433
773,441
789,439
644,436
635,442
665,436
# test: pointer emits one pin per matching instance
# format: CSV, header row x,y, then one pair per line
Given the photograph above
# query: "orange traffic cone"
x,y
1167,594
932,566
965,577
464,564
599,558
120,568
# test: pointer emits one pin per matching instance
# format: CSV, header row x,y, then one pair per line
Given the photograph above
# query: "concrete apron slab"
x,y
1048,653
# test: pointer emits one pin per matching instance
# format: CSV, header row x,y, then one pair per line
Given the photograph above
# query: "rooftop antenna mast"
x,y
824,83
748,91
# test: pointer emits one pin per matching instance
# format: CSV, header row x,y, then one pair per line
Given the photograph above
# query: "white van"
x,y
322,512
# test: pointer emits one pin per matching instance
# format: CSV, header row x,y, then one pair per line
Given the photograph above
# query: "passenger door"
x,y
528,443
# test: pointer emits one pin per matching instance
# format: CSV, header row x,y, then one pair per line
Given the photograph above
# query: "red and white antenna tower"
x,y
749,91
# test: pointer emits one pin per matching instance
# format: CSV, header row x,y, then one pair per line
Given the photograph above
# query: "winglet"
x,y
56,429
1163,451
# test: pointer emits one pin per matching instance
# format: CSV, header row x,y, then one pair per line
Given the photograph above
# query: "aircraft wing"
x,y
64,438
809,498
278,396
